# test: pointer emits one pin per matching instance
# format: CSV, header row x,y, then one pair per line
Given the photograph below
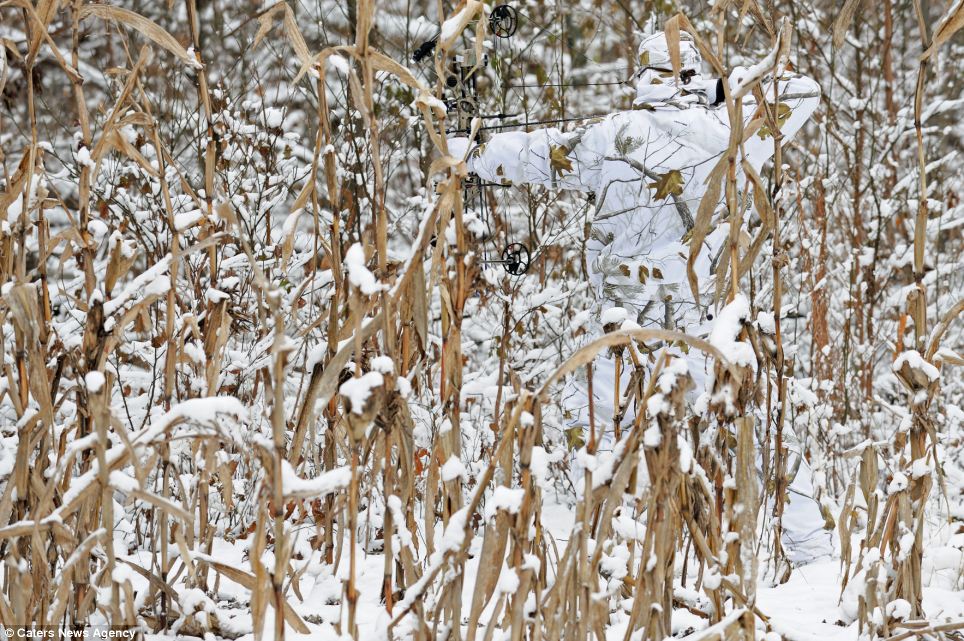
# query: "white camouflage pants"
x,y
804,536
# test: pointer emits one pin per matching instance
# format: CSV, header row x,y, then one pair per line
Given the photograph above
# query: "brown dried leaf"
x,y
844,19
142,25
465,14
671,29
559,160
668,184
949,25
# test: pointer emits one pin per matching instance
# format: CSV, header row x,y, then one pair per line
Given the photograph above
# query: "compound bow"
x,y
462,102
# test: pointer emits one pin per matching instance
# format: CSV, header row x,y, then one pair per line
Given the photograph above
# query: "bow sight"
x,y
502,23
461,101
461,98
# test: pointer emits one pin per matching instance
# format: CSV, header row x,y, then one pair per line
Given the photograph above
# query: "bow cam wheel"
x,y
503,21
515,259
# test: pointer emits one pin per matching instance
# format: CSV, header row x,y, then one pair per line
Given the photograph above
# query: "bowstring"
x,y
488,215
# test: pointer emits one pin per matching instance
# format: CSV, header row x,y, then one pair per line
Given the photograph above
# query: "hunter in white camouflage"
x,y
648,169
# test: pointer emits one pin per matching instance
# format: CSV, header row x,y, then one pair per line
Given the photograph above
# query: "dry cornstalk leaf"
x,y
842,24
291,30
140,24
249,581
47,10
455,24
671,29
951,23
622,337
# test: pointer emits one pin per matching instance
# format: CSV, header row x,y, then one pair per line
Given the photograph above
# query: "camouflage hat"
x,y
654,53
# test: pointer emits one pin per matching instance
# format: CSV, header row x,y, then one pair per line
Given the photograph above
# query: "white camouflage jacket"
x,y
648,169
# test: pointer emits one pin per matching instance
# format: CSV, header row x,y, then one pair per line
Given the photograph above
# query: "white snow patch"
x,y
123,482
395,506
357,390
766,322
613,316
504,498
453,469
83,158
726,329
358,273
187,219
897,484
383,364
95,381
97,228
913,358
508,581
327,483
450,28
273,117
898,609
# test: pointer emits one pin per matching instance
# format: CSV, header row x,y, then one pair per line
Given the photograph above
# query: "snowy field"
x,y
588,320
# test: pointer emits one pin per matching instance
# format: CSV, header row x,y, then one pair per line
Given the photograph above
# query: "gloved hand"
x,y
710,90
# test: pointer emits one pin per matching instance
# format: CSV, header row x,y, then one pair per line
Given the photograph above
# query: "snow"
x,y
84,159
580,320
121,481
213,295
359,389
898,609
187,219
383,364
920,468
403,386
504,498
458,146
905,543
606,464
712,579
656,405
435,104
915,361
450,28
320,486
508,581
16,207
539,466
182,423
198,410
404,535
94,381
193,600
669,377
98,229
358,273
766,322
316,355
651,437
152,280
613,316
685,455
123,573
273,117
453,469
726,329
897,484
454,535
205,410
